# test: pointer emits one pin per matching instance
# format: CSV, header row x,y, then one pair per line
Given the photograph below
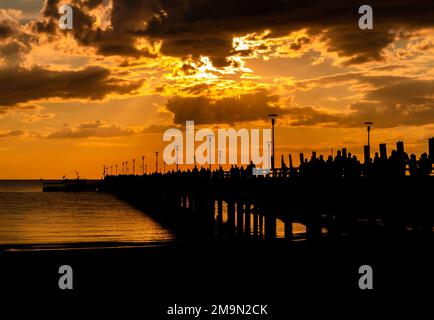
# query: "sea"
x,y
34,220
31,219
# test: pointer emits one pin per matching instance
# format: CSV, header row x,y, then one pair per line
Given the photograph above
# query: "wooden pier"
x,y
334,198
251,207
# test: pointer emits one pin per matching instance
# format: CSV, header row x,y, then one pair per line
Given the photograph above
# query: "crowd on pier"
x,y
342,165
347,165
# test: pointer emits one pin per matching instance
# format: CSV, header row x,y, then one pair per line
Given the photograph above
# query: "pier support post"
x,y
231,215
247,220
220,211
270,225
288,229
219,216
313,227
240,212
255,222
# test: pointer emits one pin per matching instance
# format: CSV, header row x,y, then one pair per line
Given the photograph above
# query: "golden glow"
x,y
299,67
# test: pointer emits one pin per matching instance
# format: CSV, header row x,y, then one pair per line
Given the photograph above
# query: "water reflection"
x,y
252,224
32,218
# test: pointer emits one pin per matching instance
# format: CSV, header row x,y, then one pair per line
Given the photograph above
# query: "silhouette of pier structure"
x,y
332,198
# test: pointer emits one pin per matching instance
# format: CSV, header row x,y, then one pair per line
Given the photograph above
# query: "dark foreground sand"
x,y
274,273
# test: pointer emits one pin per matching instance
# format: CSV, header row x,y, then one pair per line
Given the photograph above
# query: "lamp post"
x,y
367,148
368,126
273,122
134,166
176,148
143,165
156,161
210,152
268,154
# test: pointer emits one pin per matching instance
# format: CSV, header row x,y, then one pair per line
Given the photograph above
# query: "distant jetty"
x,y
67,185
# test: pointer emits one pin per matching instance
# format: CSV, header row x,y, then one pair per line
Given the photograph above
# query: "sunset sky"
x,y
105,91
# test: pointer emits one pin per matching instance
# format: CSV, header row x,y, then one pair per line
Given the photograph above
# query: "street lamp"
x,y
268,154
210,152
156,161
369,124
143,165
367,148
273,122
177,147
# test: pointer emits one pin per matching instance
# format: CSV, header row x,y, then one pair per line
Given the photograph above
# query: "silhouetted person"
x,y
412,165
425,165
330,167
250,168
339,159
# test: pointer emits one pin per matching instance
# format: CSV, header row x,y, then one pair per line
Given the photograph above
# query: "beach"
x,y
159,268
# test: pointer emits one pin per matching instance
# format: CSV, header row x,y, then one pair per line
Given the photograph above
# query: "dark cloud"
x,y
197,89
246,107
97,129
5,30
12,134
348,78
298,44
308,116
29,8
18,86
14,41
126,18
207,27
157,129
391,101
91,125
397,101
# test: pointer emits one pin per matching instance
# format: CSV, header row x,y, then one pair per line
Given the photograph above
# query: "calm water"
x,y
29,216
